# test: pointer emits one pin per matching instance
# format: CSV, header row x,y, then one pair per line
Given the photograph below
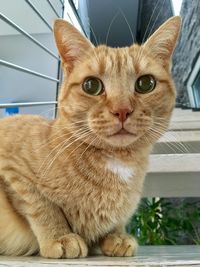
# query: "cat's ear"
x,y
163,41
70,42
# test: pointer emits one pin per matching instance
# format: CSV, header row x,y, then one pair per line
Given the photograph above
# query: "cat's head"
x,y
117,96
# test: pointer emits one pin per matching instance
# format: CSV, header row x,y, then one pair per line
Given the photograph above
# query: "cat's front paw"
x,y
69,246
119,245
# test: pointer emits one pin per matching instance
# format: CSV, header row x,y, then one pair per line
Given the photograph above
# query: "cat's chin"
x,y
121,139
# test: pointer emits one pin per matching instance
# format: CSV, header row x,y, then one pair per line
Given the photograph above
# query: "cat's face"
x,y
117,95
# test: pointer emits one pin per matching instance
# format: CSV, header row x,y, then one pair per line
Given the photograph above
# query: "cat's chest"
x,y
123,172
102,206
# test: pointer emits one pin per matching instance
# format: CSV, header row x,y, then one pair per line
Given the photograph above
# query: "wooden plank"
x,y
175,163
178,142
185,114
173,175
185,125
181,136
148,256
172,185
185,119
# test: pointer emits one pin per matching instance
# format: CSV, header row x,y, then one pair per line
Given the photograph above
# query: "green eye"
x,y
93,86
145,84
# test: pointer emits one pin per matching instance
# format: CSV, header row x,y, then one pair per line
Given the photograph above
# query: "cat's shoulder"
x,y
24,120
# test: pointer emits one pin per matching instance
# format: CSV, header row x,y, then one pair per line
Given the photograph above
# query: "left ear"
x,y
163,41
71,44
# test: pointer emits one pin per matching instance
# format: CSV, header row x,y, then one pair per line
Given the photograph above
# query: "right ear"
x,y
70,42
163,41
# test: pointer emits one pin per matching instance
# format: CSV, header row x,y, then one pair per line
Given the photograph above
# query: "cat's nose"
x,y
122,113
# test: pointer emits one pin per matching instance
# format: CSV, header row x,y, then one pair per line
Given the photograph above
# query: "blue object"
x,y
11,111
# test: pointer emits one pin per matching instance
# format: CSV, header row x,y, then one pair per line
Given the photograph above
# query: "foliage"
x,y
161,221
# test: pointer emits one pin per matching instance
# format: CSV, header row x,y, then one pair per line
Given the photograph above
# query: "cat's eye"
x,y
93,86
145,84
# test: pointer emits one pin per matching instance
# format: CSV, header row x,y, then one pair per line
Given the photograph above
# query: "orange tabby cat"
x,y
73,183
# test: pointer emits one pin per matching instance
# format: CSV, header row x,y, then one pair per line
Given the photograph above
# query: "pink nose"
x,y
122,113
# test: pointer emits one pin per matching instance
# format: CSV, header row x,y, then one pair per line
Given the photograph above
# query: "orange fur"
x,y
72,183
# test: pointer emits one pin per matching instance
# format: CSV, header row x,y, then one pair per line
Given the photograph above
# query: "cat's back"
x,y
18,122
21,128
22,136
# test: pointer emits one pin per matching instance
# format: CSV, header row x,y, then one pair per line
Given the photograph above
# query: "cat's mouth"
x,y
123,132
121,137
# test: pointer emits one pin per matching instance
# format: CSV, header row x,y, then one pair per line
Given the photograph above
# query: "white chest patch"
x,y
119,168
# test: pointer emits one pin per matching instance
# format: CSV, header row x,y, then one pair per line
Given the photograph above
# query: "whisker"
x,y
179,143
57,137
46,158
62,149
143,39
155,20
88,146
172,139
57,146
161,9
128,24
72,124
91,28
174,135
96,56
78,146
109,28
157,136
94,35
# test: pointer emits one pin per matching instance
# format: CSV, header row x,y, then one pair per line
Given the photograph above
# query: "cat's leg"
x,y
53,232
119,244
16,237
47,222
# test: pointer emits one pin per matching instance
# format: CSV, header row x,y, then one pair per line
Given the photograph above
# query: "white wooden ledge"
x,y
175,162
153,256
185,120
